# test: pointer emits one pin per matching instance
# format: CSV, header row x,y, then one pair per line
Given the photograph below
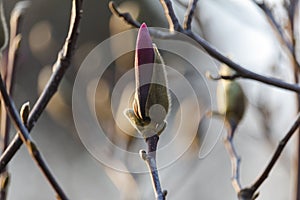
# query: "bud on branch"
x,y
151,102
231,100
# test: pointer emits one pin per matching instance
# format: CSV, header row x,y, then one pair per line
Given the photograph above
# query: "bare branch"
x,y
291,9
8,76
14,41
129,20
242,71
196,16
275,24
171,16
59,69
189,15
235,164
150,159
32,148
219,77
126,16
251,192
276,155
4,26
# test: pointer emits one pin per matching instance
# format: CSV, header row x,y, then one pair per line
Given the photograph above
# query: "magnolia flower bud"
x,y
151,101
231,100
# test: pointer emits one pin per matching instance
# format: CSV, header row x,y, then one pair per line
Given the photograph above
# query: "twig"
x,y
197,16
14,42
126,16
246,193
291,9
242,71
235,164
4,179
219,77
32,148
189,15
9,68
275,24
150,159
254,187
171,16
59,69
4,26
8,76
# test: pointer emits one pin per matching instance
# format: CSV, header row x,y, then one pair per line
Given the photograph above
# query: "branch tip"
x,y
187,24
124,15
143,154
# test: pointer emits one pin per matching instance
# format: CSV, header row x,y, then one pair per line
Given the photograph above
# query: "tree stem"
x,y
150,159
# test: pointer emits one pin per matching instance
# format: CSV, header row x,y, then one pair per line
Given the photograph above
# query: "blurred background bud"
x,y
231,100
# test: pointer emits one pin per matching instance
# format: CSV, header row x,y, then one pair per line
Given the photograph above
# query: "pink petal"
x,y
144,58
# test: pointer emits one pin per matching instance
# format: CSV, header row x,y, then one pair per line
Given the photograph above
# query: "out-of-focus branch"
x,y
150,159
8,73
5,28
235,164
9,68
269,14
291,9
250,191
189,15
195,15
25,137
59,68
220,76
126,16
14,41
290,43
171,16
212,51
242,72
4,180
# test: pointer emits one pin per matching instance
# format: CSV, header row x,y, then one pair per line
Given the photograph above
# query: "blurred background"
x,y
237,28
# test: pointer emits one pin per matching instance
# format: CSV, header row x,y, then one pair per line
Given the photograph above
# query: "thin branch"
x,y
14,41
251,192
275,156
129,20
189,15
59,69
235,164
126,16
291,9
275,24
242,71
4,26
4,178
246,193
8,76
32,148
196,16
150,159
171,16
219,77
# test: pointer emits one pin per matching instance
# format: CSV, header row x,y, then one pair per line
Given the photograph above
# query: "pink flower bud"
x,y
144,59
151,102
